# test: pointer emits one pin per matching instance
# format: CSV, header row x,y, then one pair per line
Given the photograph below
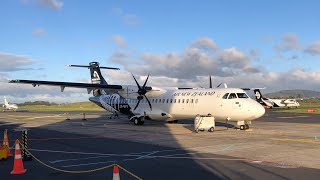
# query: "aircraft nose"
x,y
260,110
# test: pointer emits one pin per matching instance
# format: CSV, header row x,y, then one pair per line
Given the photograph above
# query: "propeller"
x,y
142,92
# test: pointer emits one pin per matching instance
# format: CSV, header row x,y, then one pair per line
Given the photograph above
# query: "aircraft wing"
x,y
62,85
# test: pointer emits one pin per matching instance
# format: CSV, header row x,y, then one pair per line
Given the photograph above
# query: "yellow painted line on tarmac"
x,y
16,115
303,116
297,140
285,117
309,125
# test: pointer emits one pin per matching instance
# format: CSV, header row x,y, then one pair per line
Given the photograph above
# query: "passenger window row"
x,y
163,101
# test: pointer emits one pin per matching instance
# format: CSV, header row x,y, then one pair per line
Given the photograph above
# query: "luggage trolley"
x,y
204,123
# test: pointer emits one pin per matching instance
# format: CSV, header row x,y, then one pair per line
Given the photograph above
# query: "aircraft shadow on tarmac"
x,y
141,150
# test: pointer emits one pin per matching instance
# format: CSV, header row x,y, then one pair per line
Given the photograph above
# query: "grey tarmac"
x,y
278,146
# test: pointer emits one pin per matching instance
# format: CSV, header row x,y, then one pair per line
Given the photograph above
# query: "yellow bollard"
x,y
3,152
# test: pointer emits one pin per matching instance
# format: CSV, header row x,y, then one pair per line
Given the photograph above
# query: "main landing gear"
x,y
137,120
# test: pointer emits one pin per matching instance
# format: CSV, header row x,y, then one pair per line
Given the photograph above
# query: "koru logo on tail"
x,y
95,75
258,95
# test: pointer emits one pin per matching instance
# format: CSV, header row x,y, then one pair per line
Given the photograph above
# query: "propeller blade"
x,y
137,105
210,85
219,85
136,82
144,85
148,102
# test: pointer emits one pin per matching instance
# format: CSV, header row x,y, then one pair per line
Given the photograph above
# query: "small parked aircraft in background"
x,y
9,106
270,103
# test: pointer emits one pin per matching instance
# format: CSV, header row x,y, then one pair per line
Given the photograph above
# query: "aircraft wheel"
x,y
196,130
136,121
141,122
211,129
242,127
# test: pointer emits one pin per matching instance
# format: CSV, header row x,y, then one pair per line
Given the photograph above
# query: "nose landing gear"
x,y
243,125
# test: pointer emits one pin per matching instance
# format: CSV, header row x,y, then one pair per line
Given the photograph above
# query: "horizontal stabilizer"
x,y
101,67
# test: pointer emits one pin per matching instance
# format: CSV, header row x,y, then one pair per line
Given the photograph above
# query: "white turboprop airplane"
x,y
164,103
275,102
8,106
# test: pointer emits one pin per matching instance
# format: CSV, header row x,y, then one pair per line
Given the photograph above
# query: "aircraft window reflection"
x,y
175,101
170,100
187,101
196,101
163,100
178,100
167,101
182,100
225,96
191,100
232,96
242,95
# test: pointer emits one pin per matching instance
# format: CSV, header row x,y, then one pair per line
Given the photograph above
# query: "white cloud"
x,y
26,92
205,43
127,18
12,62
273,81
131,19
54,4
289,42
39,32
201,58
119,40
313,49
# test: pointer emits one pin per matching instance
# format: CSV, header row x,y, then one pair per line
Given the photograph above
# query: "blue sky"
x,y
276,38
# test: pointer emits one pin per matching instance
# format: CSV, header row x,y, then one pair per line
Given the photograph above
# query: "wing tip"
x,y
14,81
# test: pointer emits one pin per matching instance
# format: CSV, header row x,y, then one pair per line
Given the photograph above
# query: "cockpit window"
x,y
225,96
232,96
242,95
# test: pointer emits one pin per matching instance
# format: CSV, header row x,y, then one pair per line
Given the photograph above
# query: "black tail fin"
x,y
96,76
258,94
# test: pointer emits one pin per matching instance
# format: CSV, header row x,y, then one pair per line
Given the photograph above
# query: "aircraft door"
x,y
236,104
230,100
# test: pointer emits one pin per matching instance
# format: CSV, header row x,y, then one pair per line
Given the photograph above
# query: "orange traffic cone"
x,y
116,175
17,164
6,142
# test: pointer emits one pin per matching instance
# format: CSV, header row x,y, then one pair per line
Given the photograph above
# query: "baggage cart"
x,y
204,123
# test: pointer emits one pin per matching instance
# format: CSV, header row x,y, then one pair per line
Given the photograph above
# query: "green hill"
x,y
298,93
78,106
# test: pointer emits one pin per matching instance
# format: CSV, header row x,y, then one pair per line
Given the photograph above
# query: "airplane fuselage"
x,y
174,104
10,107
